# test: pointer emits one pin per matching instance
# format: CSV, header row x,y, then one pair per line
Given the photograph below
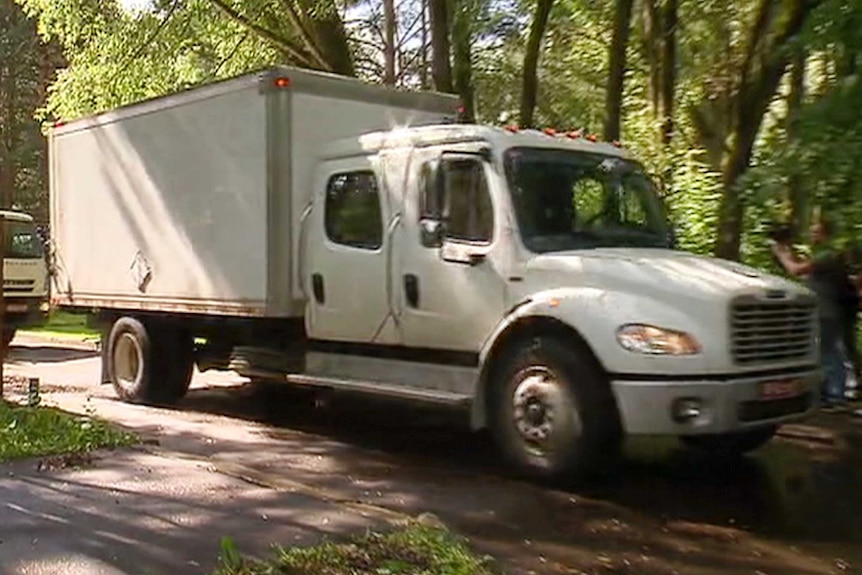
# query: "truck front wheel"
x,y
554,416
147,365
731,444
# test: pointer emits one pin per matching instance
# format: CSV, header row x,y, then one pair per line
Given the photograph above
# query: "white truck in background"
x,y
25,275
322,232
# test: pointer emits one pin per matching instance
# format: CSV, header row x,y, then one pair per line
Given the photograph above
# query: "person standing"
x,y
826,277
851,303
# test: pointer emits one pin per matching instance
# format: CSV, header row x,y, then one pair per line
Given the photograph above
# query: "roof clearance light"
x,y
592,137
574,135
59,124
512,128
549,132
281,82
617,144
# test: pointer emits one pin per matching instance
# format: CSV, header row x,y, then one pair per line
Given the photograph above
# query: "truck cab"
x,y
534,275
25,275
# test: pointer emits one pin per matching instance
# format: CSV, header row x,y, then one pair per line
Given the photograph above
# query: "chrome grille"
x,y
771,331
18,286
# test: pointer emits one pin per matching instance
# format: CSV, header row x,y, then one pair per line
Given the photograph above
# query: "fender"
x,y
590,316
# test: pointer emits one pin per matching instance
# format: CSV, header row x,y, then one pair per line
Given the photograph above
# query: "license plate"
x,y
781,389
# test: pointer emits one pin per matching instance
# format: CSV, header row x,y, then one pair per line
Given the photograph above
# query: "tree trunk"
x,y
753,99
441,69
652,45
530,83
668,68
617,65
797,196
463,59
389,24
423,72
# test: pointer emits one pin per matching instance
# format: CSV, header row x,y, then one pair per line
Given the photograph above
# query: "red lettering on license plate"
x,y
781,389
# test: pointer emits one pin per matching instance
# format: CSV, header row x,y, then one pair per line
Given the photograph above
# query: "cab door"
x,y
345,253
451,253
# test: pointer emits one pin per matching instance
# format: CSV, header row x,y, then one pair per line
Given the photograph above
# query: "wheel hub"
x,y
536,402
127,360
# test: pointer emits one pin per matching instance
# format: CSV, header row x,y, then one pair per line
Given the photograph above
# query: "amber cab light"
x,y
281,82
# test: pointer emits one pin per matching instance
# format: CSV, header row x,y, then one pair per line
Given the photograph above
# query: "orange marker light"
x,y
550,132
281,82
592,137
512,128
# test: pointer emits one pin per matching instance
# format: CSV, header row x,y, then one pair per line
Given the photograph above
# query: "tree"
x,y
26,68
763,66
617,68
441,67
529,86
308,33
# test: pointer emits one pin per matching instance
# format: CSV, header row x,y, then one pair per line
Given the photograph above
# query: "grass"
x,y
411,550
64,323
39,431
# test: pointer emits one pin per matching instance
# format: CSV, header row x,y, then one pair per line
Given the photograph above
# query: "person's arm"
x,y
791,264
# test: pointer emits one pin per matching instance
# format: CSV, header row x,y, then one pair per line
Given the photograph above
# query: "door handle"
x,y
411,290
317,288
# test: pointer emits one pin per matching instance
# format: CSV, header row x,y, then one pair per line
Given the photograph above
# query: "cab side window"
x,y
466,203
352,214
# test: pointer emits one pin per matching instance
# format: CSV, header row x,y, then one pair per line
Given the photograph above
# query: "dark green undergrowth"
x,y
37,431
410,550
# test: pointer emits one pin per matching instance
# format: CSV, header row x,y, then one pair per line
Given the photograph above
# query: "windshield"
x,y
568,200
22,241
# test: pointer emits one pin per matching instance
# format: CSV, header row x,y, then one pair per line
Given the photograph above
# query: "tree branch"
x,y
286,47
305,34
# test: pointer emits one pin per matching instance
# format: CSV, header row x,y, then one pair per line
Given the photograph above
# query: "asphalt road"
x,y
795,507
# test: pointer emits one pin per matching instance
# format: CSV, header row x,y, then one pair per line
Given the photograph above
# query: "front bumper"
x,y
25,312
651,406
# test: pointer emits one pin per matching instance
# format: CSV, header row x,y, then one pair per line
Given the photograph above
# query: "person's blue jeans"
x,y
832,359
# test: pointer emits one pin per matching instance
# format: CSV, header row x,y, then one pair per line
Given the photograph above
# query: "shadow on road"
x,y
18,355
785,490
664,510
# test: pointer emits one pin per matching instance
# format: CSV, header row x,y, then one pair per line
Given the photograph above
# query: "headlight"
x,y
653,340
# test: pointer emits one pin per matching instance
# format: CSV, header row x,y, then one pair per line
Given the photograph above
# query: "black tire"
x,y
148,364
8,336
731,444
177,347
584,435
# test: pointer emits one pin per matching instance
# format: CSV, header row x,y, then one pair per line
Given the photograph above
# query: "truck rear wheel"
x,y
731,444
554,416
146,364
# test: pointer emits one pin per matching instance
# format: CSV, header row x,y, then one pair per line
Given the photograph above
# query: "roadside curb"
x,y
25,337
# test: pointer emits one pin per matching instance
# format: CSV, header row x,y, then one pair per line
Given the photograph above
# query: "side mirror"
x,y
432,232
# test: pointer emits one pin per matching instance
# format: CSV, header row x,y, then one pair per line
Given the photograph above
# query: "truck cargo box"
x,y
191,202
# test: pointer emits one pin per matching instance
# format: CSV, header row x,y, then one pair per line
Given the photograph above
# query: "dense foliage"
x,y
745,110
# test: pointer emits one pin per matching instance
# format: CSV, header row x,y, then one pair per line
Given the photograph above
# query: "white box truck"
x,y
25,275
322,232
